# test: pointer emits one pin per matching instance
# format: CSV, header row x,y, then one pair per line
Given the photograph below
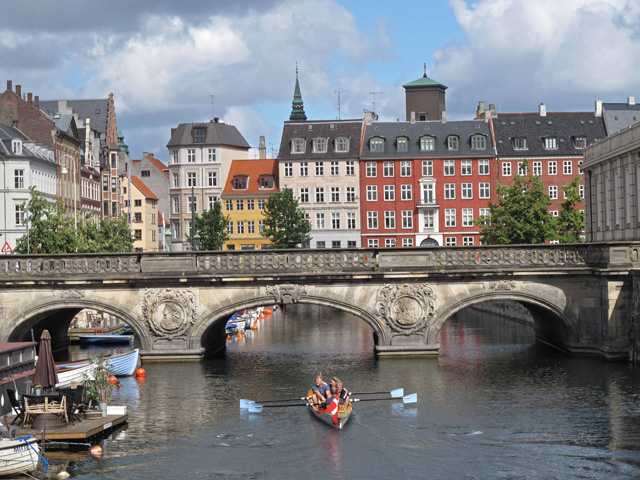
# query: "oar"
x,y
244,403
397,393
256,408
411,398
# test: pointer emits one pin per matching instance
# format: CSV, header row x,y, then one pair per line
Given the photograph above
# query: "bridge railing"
x,y
327,261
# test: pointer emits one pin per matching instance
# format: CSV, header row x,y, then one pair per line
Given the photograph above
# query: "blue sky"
x,y
163,59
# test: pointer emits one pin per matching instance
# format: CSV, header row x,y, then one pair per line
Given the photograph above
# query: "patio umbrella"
x,y
45,375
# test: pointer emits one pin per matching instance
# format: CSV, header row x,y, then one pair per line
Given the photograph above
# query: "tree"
x,y
212,228
570,219
285,223
521,215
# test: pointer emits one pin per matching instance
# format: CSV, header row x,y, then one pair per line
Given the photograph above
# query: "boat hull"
x,y
105,339
343,415
122,364
18,456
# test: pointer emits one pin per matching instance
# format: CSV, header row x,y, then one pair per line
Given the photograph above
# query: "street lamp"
x,y
75,194
167,240
196,241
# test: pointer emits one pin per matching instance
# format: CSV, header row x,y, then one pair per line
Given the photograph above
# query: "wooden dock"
x,y
84,430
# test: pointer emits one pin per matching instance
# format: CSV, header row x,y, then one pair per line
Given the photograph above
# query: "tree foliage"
x,y
570,219
285,223
212,228
520,216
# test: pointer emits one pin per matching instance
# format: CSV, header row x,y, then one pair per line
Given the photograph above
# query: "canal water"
x,y
493,405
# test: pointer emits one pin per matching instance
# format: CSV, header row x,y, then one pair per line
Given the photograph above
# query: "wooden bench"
x,y
35,408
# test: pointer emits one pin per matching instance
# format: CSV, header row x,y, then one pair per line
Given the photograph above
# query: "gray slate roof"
x,y
96,110
620,115
414,131
330,129
217,134
534,127
29,149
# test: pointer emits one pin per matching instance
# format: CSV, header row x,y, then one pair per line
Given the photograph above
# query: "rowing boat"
x,y
344,413
122,364
19,455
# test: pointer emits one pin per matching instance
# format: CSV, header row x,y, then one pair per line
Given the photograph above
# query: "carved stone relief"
x,y
170,313
286,293
71,294
406,308
501,285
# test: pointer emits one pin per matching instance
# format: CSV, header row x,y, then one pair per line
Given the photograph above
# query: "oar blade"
x,y
397,393
411,398
244,403
255,408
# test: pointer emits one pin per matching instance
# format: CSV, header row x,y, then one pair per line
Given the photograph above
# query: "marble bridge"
x,y
584,299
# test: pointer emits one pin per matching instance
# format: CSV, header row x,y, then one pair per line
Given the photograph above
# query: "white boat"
x,y
122,364
18,455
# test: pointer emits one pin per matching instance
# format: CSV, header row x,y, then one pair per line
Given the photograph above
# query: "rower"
x,y
320,389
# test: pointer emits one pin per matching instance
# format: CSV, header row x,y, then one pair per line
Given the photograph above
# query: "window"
x,y
145,173
553,192
407,218
467,191
485,190
579,142
175,204
407,242
387,169
288,169
520,143
372,220
266,182
105,183
567,167
478,142
449,167
228,205
297,145
191,179
372,243
427,168
351,194
251,226
239,204
212,179
467,217
467,241
174,156
506,169
319,194
336,244
537,168
335,194
351,220
192,204
405,192
230,228
320,224
402,144
555,213
251,204
372,169
450,241
137,234
320,244
114,184
319,169
239,182
427,143
449,191
465,167
199,134
450,217
334,169
405,168
19,178
553,168
351,167
581,191
453,142
428,193
342,144
389,219
389,242
211,201
550,143
304,169
16,146
176,180
335,220
19,210
372,193
261,203
319,145
211,154
240,228
389,193
137,203
191,155
429,219
376,144
522,168
483,212
483,167
261,226
304,194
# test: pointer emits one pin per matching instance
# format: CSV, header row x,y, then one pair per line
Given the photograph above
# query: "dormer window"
x,y
427,143
550,143
402,144
342,144
520,143
319,145
298,145
478,142
376,144
579,142
266,181
453,142
16,146
240,182
199,134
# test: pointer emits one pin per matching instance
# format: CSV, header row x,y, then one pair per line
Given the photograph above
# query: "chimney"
x,y
542,109
631,100
444,116
173,130
30,98
150,154
481,109
19,90
492,109
145,154
263,148
368,117
413,117
598,108
9,85
62,107
36,101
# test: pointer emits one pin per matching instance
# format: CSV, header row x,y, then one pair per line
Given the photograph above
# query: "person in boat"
x,y
320,389
332,403
341,392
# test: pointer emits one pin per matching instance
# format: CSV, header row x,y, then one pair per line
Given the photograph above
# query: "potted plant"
x,y
96,381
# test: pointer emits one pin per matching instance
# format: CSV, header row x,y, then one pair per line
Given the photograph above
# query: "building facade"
x,y
144,215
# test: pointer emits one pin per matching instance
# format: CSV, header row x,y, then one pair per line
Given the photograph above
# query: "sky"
x,y
170,62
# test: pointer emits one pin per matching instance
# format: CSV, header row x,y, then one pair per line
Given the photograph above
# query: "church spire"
x,y
297,107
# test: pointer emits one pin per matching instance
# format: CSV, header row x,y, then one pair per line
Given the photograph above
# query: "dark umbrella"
x,y
45,375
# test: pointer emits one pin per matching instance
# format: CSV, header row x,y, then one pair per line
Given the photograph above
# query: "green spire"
x,y
297,107
123,147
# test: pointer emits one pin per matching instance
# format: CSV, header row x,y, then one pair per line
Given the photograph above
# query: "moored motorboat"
x,y
18,455
93,338
342,417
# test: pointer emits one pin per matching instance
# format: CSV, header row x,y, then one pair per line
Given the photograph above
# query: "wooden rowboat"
x,y
122,364
19,455
344,413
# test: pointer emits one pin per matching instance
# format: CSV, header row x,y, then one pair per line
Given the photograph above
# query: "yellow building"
x,y
249,184
145,215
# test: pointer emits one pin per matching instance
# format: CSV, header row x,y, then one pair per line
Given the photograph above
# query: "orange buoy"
x,y
254,328
96,450
113,380
239,339
267,311
228,338
141,372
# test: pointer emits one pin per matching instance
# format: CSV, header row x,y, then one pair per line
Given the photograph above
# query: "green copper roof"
x,y
123,147
297,106
424,81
